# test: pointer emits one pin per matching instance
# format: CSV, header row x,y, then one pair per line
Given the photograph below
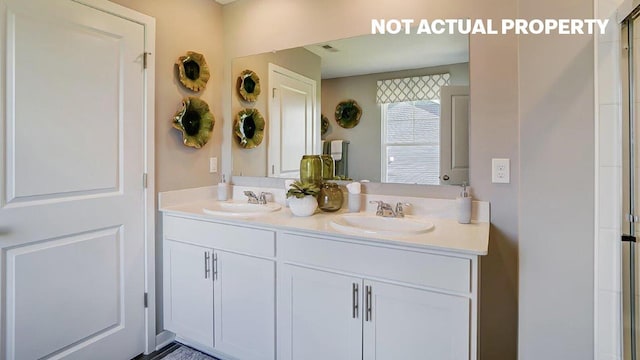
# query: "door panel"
x,y
188,291
454,135
71,194
293,130
49,271
316,316
292,126
407,323
244,305
81,151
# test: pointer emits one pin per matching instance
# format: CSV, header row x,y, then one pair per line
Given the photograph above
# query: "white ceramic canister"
x,y
305,206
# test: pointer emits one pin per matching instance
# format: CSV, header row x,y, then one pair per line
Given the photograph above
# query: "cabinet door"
x,y
407,323
244,290
188,292
319,315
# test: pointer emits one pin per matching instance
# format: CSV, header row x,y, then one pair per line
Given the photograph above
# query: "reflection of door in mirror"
x,y
454,135
293,130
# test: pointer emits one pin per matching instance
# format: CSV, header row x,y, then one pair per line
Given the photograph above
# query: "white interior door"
x,y
71,191
454,135
293,130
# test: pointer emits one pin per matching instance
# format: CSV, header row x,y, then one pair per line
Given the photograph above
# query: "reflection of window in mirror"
x,y
410,119
411,142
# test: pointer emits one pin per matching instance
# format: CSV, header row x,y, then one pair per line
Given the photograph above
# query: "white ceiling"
x,y
371,54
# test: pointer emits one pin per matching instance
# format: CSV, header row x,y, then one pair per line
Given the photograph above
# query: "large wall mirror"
x,y
413,91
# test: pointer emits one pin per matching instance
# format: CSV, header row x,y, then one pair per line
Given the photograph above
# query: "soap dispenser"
x,y
463,204
223,189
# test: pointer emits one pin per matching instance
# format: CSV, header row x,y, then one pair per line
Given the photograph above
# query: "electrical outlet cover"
x,y
500,171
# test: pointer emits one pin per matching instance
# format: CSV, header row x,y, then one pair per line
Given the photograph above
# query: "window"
x,y
411,142
411,129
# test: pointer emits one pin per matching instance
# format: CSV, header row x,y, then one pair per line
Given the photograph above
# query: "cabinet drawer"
x,y
436,271
220,236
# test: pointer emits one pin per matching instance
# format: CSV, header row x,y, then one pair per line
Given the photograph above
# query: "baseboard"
x,y
164,338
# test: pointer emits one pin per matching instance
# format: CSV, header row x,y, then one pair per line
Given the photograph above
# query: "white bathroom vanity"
x,y
274,286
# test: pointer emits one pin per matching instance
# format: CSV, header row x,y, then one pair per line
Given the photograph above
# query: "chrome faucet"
x,y
251,197
262,199
385,210
400,209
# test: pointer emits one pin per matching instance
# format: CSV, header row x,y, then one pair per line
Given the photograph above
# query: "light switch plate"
x,y
213,165
500,171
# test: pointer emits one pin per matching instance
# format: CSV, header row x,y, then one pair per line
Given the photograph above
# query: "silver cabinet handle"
x,y
215,266
368,316
354,300
206,264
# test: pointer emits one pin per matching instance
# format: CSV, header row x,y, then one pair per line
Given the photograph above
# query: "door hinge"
x,y
145,59
146,300
273,93
144,180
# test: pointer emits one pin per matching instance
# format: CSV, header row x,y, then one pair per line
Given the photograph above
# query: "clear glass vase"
x,y
311,169
330,197
328,167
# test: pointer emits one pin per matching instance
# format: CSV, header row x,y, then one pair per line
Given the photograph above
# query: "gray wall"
x,y
189,25
253,162
557,147
364,148
194,25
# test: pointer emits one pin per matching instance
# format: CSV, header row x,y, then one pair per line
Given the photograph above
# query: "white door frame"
x,y
149,24
315,125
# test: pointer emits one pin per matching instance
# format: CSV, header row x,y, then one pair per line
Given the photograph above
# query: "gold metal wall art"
x,y
348,113
248,85
249,128
195,121
193,71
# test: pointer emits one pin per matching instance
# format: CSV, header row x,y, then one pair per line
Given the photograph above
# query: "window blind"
x,y
411,88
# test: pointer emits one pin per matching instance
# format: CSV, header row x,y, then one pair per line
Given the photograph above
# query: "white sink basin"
x,y
363,224
240,209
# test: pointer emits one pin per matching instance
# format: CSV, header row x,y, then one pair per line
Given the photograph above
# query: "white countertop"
x,y
447,234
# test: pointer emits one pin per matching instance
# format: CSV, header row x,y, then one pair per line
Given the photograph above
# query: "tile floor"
x,y
160,354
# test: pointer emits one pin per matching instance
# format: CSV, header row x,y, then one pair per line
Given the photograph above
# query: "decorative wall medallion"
x,y
249,85
193,71
249,128
348,113
195,121
324,124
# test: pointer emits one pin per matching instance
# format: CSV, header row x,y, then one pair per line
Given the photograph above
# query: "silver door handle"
x,y
215,266
354,300
368,316
206,264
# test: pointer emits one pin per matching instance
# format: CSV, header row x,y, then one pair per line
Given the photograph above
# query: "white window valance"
x,y
411,88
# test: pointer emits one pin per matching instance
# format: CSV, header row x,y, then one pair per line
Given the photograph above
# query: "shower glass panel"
x,y
630,72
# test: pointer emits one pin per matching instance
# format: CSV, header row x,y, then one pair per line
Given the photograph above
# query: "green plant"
x,y
301,189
